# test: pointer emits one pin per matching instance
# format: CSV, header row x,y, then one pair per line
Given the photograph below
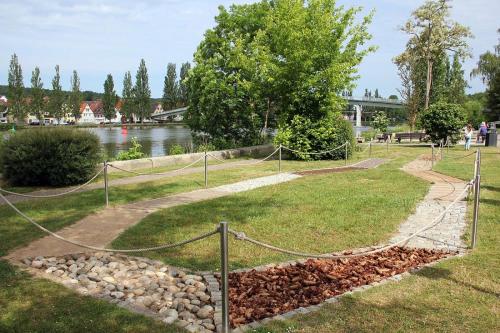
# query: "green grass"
x,y
30,304
459,295
319,213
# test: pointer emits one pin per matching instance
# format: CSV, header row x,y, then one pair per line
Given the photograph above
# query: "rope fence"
x,y
156,173
224,231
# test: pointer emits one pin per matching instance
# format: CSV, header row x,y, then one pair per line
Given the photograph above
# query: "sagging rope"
x,y
242,236
54,195
95,248
245,164
316,153
459,157
156,173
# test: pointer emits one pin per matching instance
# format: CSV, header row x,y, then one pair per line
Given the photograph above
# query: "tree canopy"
x,y
264,63
109,99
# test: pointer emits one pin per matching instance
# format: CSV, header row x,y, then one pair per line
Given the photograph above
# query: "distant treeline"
x,y
87,94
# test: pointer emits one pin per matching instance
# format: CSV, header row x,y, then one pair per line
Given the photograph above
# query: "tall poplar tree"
x,y
142,93
16,90
56,100
75,98
170,88
109,98
127,96
457,83
37,105
183,86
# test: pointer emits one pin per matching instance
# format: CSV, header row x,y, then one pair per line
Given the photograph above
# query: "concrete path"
x,y
444,190
131,180
101,228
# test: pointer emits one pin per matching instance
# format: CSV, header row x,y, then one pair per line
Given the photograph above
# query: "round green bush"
x,y
308,136
443,120
53,157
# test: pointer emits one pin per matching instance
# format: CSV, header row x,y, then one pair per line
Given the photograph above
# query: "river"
x,y
155,141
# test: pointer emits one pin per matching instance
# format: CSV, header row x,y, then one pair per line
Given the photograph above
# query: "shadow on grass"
x,y
436,273
30,304
491,188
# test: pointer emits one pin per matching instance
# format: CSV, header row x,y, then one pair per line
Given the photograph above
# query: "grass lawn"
x,y
459,295
29,304
319,213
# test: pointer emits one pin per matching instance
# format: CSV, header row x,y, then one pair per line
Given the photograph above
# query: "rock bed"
x,y
255,295
139,284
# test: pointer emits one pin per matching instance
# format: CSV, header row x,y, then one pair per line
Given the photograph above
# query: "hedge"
x,y
53,157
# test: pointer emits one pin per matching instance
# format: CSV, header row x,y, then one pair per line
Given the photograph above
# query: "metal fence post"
x,y
432,156
206,169
477,190
279,161
346,143
224,263
441,146
387,145
370,149
106,185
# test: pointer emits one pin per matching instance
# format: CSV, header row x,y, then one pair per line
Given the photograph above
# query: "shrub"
x,y
368,135
54,157
176,150
443,120
380,122
305,135
133,153
205,147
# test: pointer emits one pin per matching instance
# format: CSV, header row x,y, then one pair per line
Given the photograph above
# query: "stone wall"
x,y
161,161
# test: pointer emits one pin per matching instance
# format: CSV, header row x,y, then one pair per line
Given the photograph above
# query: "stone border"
x,y
161,161
335,299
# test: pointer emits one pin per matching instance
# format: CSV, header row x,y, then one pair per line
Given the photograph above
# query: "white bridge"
x,y
357,102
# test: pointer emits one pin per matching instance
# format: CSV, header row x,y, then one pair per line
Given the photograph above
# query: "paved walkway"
x,y
131,180
101,228
444,190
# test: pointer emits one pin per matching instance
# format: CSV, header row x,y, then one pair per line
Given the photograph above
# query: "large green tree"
x,y
456,83
109,98
142,93
488,68
56,99
127,96
37,105
266,62
431,34
170,88
183,86
75,97
16,90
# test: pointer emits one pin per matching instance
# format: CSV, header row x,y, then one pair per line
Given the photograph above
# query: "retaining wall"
x,y
160,161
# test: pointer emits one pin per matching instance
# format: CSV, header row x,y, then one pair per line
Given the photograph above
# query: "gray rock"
x,y
37,264
205,312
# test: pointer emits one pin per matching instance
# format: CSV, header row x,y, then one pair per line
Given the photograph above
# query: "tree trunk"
x,y
428,83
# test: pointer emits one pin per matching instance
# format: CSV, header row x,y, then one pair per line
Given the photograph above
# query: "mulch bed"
x,y
256,295
327,170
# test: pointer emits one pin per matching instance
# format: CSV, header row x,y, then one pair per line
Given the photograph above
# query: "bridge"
x,y
357,102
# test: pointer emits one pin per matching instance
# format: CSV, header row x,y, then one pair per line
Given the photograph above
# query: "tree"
x,y
443,120
16,90
432,33
488,68
457,83
380,122
376,93
142,93
407,72
474,112
37,104
394,97
109,98
170,88
75,98
127,96
183,86
56,97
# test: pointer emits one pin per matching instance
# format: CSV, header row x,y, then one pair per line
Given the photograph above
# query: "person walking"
x,y
482,132
468,136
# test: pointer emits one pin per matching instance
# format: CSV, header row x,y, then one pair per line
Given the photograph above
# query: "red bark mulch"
x,y
257,295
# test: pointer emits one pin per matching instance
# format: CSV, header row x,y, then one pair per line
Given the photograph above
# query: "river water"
x,y
155,141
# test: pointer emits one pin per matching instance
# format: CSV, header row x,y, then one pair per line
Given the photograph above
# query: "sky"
x,y
100,37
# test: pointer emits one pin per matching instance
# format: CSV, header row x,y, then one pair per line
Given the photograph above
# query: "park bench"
x,y
410,136
383,137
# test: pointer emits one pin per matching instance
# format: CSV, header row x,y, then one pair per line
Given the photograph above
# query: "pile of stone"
x,y
139,284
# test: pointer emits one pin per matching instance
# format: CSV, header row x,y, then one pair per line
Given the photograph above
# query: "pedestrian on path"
x,y
468,136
